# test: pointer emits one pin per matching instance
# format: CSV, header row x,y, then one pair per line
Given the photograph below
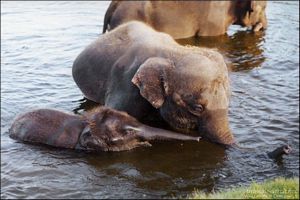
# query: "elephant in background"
x,y
183,19
243,50
145,73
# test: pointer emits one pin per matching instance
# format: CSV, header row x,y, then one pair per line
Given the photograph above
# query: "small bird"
x,y
277,153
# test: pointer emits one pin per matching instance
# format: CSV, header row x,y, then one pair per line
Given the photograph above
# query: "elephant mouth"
x,y
180,121
183,125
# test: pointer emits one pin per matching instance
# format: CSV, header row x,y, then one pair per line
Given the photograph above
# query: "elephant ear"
x,y
150,78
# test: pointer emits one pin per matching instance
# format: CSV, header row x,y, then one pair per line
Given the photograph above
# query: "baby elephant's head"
x,y
111,130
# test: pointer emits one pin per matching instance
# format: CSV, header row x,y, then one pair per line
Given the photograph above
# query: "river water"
x,y
39,42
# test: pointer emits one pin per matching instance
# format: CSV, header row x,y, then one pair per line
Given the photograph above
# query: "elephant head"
x,y
250,13
191,93
111,130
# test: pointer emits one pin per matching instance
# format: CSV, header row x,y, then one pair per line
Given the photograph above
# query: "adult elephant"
x,y
182,19
147,74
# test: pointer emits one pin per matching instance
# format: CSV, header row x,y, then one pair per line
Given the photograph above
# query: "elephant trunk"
x,y
225,138
260,24
216,127
151,133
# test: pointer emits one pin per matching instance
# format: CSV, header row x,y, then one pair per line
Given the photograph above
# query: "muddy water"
x,y
40,40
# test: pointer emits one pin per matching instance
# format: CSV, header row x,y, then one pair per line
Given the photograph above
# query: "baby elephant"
x,y
102,129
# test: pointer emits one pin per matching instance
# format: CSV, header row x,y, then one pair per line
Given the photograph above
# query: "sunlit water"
x,y
39,42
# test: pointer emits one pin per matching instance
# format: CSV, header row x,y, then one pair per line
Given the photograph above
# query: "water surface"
x,y
39,42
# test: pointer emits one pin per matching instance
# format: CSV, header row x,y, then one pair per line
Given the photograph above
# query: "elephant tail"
x,y
111,9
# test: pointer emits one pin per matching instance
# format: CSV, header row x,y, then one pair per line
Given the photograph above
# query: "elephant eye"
x,y
130,130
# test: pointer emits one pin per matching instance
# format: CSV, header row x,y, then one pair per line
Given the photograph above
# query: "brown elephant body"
x,y
148,75
182,19
102,129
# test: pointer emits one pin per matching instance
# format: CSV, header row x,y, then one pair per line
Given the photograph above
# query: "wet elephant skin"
x,y
151,77
102,129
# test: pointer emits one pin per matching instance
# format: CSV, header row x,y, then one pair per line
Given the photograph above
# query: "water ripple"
x,y
39,43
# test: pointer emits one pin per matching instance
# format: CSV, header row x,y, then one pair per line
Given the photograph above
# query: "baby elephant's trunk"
x,y
151,133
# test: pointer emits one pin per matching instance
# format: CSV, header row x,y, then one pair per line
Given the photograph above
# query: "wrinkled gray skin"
x,y
103,129
182,19
147,74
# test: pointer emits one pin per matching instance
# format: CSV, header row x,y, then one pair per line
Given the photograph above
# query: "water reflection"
x,y
166,167
264,111
244,49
